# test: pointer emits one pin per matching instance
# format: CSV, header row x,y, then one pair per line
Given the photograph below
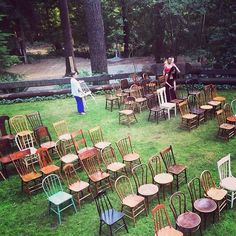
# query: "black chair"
x,y
108,215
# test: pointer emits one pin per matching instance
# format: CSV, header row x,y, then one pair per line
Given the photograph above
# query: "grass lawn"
x,y
199,149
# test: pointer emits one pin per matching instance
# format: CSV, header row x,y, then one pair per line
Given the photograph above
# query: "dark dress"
x,y
170,92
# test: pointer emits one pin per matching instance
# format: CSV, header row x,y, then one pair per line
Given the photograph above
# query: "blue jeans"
x,y
80,105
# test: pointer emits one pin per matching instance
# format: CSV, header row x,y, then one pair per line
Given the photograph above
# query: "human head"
x,y
170,60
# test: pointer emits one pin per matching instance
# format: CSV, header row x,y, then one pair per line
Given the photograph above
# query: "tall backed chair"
x,y
140,101
154,110
190,87
62,130
203,104
228,110
131,204
162,225
108,215
195,109
5,128
227,180
58,199
35,120
215,96
179,171
208,96
168,106
20,125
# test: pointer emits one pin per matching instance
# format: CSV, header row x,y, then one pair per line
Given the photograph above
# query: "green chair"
x,y
233,106
58,199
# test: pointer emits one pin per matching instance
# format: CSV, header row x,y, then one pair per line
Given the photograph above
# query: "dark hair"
x,y
173,68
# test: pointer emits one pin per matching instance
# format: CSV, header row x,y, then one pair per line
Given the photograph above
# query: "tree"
x,y
68,40
96,39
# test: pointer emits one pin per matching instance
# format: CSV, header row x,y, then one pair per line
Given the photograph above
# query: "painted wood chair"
x,y
57,198
227,180
20,125
131,204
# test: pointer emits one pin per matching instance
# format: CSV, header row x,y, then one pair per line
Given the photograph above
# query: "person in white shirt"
x,y
78,94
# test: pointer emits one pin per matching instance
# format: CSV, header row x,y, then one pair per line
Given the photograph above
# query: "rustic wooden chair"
x,y
179,171
140,101
46,164
79,188
126,151
154,110
188,119
190,87
208,96
97,139
112,165
162,225
212,191
215,96
20,125
5,129
121,95
233,107
91,165
35,120
201,205
208,109
227,180
145,189
108,215
111,101
44,138
158,177
131,204
31,180
195,109
62,130
162,100
228,110
58,199
186,221
225,130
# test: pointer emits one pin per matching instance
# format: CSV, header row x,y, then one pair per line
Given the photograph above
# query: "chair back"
x,y
161,95
195,190
160,218
124,146
3,129
70,174
233,106
108,155
51,185
184,108
5,147
220,116
34,120
168,156
123,187
96,135
213,91
207,91
44,157
206,181
62,148
60,128
130,102
154,164
190,84
124,84
140,173
42,134
152,102
19,123
224,167
178,204
228,110
78,139
200,98
24,141
135,91
134,77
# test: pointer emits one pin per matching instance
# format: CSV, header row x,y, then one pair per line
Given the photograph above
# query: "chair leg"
x,y
59,214
110,227
232,199
123,219
100,228
177,182
73,203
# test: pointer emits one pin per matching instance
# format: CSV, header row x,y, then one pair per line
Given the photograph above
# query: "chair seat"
x,y
156,109
78,186
138,100
69,158
5,159
189,116
188,220
48,145
227,126
65,137
102,145
60,197
177,100
176,169
163,178
194,93
216,193
229,183
131,157
206,107
31,176
98,176
25,132
132,200
219,98
111,98
197,111
168,231
84,150
49,169
126,112
111,216
115,166
214,103
148,189
168,105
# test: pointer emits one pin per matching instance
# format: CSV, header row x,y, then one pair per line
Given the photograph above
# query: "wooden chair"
x,y
177,170
167,106
97,139
195,109
121,95
124,84
5,150
79,188
162,225
31,180
233,107
188,120
112,165
140,101
35,120
203,206
212,191
190,87
227,110
62,130
20,125
145,189
108,215
225,130
46,164
92,167
111,101
186,221
57,198
126,151
131,204
127,116
215,96
158,177
154,110
208,109
208,96
227,180
1,174
5,129
44,139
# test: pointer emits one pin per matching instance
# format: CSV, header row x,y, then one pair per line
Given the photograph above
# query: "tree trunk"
x,y
96,39
67,35
125,27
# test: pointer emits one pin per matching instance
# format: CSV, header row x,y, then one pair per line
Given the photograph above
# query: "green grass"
x,y
199,149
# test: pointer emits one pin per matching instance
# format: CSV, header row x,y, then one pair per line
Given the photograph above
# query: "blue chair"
x,y
58,199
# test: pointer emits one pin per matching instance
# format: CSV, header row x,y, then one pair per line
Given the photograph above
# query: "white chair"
x,y
227,181
168,106
233,106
